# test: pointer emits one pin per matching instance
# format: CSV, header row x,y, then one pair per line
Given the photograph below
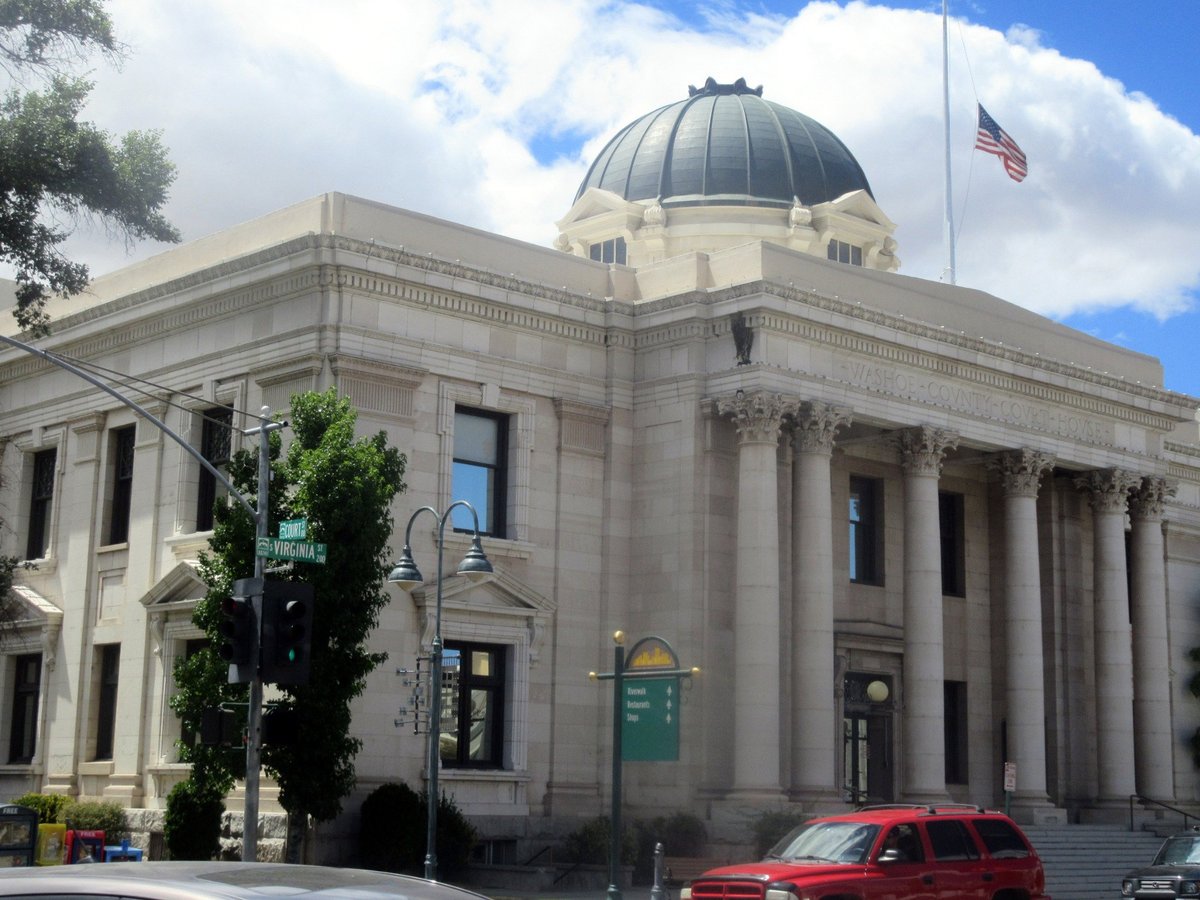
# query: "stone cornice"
x,y
605,327
815,300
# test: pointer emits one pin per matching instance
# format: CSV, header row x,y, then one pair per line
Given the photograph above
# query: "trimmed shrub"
x,y
192,823
49,806
107,816
392,836
589,843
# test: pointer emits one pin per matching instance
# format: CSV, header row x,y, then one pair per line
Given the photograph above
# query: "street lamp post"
x,y
476,568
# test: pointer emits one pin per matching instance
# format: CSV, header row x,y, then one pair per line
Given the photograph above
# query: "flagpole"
x,y
949,221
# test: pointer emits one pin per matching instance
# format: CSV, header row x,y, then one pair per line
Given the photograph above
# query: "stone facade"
x,y
908,531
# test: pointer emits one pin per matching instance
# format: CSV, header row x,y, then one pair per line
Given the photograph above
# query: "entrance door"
x,y
867,753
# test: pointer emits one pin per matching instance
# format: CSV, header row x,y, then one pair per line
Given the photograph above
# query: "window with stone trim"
x,y
953,545
22,735
474,678
121,488
216,442
866,530
480,473
840,251
108,674
40,499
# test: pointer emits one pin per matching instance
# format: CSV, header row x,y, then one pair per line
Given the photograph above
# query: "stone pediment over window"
x,y
169,603
182,584
481,611
36,624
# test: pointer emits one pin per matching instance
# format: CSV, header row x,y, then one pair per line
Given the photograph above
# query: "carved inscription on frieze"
x,y
1020,411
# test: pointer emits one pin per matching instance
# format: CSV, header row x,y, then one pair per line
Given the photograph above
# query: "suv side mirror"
x,y
892,855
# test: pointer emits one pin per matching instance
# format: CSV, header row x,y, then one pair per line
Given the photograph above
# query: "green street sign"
x,y
650,723
293,530
301,551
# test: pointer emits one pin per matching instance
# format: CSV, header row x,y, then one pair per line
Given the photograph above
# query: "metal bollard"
x,y
658,892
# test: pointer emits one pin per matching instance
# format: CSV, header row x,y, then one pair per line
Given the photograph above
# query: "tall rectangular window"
x,y
956,731
39,503
473,705
866,530
480,470
106,699
950,520
188,736
216,442
22,739
122,484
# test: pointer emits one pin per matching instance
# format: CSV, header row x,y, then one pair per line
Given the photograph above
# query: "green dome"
x,y
726,146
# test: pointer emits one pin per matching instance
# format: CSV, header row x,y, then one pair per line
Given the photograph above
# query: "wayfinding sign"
x,y
650,703
650,730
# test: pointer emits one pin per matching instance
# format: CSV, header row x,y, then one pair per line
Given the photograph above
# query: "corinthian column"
x,y
756,689
1108,492
922,451
1154,766
1020,472
816,736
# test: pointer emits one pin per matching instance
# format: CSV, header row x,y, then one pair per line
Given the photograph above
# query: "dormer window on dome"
x,y
721,168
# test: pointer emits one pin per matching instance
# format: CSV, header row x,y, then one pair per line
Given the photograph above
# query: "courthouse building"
x,y
910,532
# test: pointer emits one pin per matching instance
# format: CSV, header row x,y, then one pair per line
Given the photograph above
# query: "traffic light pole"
x,y
254,712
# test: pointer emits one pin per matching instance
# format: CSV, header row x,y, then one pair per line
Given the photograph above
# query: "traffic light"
x,y
287,632
239,630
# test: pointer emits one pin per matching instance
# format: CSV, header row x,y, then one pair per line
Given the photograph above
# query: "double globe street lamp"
x,y
477,569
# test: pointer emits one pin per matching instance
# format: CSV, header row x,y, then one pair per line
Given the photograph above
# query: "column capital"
x,y
1147,498
923,448
757,416
1107,489
1021,470
816,423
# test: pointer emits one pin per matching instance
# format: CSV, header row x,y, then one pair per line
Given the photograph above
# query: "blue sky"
x,y
1152,52
488,113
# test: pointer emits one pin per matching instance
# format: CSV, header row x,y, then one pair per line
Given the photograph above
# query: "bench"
x,y
682,869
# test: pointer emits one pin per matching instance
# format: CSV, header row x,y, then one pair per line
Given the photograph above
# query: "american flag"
x,y
991,138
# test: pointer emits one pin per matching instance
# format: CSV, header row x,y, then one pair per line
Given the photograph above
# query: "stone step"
x,y
1086,861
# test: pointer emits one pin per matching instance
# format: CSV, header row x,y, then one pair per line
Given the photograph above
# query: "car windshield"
x,y
1178,851
841,842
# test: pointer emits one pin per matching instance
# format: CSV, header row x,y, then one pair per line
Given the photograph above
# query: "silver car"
x,y
211,880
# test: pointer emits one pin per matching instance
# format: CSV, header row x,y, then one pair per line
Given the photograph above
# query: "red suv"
x,y
892,852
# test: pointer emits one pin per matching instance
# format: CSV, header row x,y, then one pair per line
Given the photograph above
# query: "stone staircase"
x,y
1083,862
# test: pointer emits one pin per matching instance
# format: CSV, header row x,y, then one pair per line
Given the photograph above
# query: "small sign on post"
x,y
302,551
293,530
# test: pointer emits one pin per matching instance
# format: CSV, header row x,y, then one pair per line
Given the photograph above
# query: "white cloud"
x,y
434,105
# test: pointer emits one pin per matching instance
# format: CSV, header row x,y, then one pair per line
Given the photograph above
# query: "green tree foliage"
x,y
56,170
344,487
